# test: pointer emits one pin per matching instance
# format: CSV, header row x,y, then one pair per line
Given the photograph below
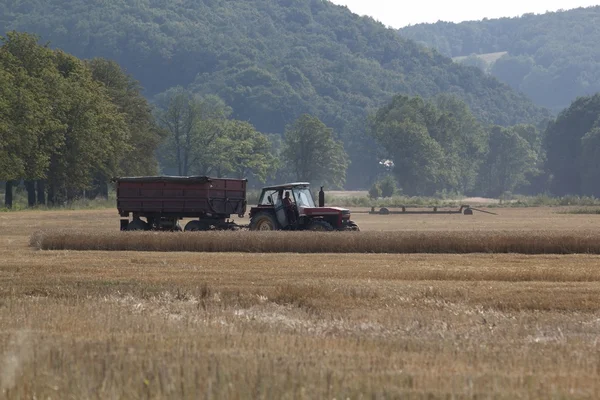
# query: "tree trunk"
x,y
30,187
8,194
90,194
41,192
103,189
51,195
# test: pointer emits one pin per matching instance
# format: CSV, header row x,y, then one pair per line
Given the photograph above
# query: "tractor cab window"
x,y
269,197
304,197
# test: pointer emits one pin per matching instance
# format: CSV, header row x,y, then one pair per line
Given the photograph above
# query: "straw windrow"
x,y
435,242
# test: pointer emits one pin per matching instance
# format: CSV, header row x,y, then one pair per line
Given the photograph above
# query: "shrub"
x,y
375,191
388,186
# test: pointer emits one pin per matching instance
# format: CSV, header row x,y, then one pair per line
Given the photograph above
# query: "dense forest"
x,y
553,58
270,61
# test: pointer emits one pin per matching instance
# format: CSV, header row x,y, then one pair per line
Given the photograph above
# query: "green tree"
x,y
590,163
388,186
95,139
203,141
510,162
60,128
144,134
464,140
563,144
194,126
312,153
434,146
31,123
250,152
417,157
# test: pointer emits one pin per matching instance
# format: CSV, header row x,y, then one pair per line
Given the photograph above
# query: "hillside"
x,y
553,58
270,60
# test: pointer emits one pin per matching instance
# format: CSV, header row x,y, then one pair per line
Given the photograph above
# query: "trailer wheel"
x,y
196,226
319,225
263,222
137,225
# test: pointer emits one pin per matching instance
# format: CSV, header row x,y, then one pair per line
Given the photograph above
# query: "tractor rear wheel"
x,y
196,226
263,222
137,225
353,227
319,225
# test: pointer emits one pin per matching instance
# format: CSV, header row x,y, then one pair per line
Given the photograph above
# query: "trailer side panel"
x,y
183,197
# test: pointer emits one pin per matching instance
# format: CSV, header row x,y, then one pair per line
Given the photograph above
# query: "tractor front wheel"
x,y
263,222
319,225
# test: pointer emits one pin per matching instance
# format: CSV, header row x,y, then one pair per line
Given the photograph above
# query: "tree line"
x,y
437,146
68,126
271,61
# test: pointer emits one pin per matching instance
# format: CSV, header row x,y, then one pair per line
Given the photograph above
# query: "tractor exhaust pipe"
x,y
321,197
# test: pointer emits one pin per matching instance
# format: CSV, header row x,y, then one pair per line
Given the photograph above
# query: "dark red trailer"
x,y
164,200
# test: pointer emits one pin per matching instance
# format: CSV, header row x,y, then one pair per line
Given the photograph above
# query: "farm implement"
x,y
464,209
159,203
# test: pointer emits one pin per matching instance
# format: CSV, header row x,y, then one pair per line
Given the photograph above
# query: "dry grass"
x,y
521,242
152,325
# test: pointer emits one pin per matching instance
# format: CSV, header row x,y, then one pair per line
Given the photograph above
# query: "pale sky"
x,y
398,13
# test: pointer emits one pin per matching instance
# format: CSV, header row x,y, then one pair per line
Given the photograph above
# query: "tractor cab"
x,y
292,207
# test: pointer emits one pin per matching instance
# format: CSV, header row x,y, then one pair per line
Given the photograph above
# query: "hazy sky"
x,y
398,13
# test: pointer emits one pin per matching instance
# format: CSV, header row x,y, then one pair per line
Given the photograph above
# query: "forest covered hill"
x,y
553,58
270,60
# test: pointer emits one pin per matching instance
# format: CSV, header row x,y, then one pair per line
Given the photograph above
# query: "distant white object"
x,y
387,163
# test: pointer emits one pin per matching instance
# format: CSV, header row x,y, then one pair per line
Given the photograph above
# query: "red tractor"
x,y
292,207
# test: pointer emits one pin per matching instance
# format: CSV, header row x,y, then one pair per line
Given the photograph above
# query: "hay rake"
x,y
464,209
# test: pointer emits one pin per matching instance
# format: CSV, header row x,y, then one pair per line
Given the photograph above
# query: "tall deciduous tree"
x,y
96,136
144,134
563,143
510,162
61,126
193,126
590,162
31,128
203,141
312,153
434,146
251,152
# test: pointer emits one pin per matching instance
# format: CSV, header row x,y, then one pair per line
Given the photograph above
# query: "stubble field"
x,y
94,324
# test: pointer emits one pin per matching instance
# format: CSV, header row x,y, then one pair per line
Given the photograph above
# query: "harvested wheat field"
x,y
126,324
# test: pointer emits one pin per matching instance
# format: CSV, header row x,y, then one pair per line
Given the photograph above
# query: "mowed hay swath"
x,y
519,242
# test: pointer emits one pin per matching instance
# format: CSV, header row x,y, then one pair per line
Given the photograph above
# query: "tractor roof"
x,y
287,186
